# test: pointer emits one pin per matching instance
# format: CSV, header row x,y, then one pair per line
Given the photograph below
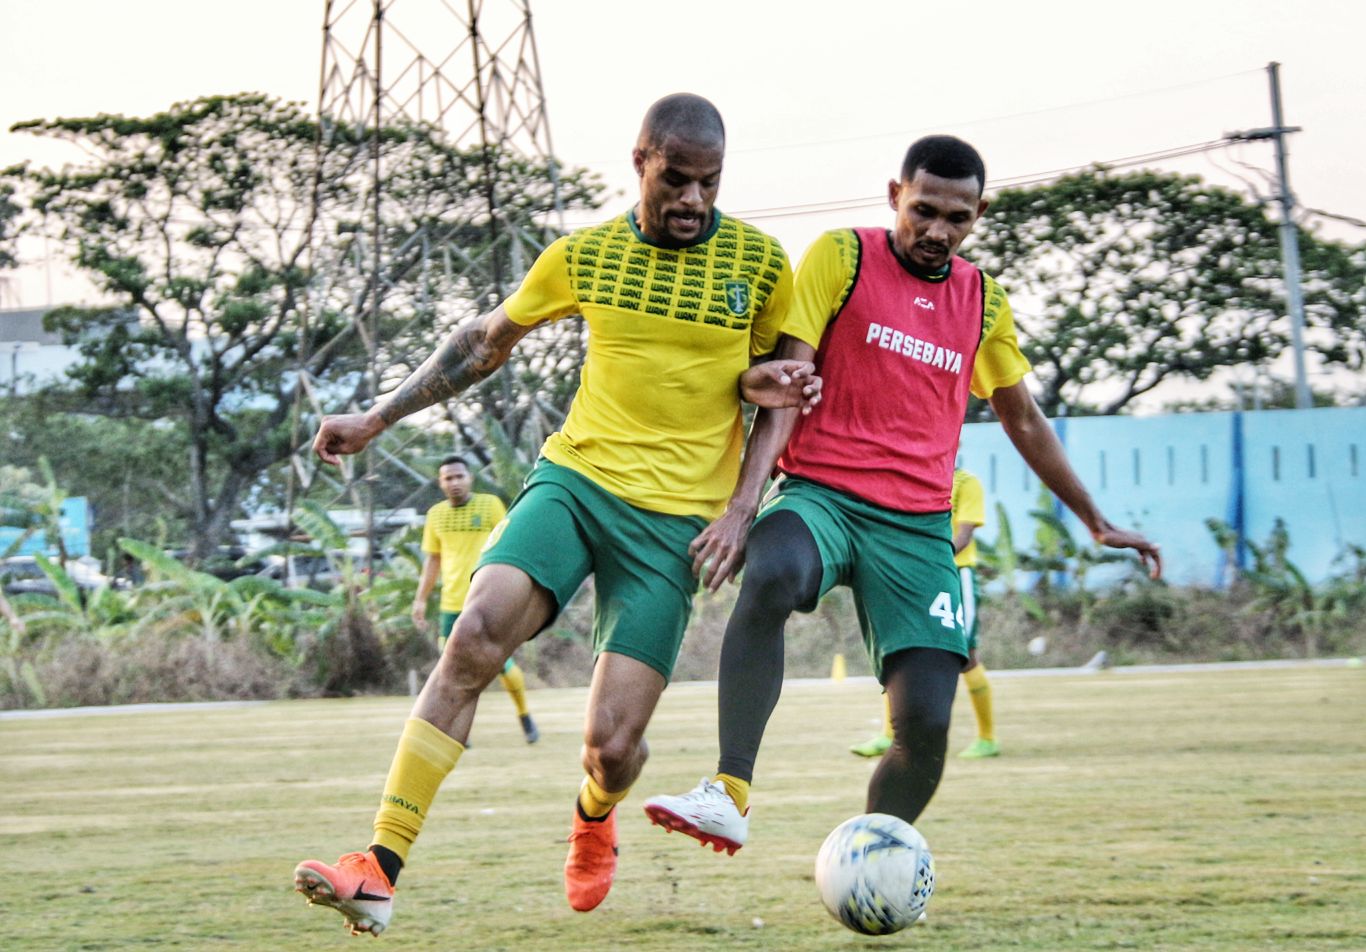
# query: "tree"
x,y
9,225
1264,393
1122,282
132,471
203,228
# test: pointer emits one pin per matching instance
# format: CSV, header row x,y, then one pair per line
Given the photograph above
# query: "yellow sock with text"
x,y
425,755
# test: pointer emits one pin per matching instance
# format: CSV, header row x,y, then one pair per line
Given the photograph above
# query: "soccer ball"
x,y
875,873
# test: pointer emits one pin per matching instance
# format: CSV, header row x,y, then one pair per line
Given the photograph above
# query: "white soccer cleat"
x,y
706,813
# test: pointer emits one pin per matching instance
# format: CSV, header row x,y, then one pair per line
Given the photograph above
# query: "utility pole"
x,y
1290,243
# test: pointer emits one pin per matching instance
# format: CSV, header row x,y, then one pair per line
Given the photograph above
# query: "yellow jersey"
x,y
969,505
656,420
456,534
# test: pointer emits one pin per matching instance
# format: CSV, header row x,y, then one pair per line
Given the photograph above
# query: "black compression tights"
x,y
920,683
782,571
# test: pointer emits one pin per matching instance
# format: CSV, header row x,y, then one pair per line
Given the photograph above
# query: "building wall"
x,y
74,520
29,355
1166,475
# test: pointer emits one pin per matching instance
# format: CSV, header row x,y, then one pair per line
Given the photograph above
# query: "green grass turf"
x,y
1211,810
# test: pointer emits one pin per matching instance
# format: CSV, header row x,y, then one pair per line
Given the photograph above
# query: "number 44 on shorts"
x,y
942,608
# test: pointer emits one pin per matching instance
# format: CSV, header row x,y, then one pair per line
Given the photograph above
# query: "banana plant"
x,y
66,614
507,460
1002,560
176,595
392,589
17,673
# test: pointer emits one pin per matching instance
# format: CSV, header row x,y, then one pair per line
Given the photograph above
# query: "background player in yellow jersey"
x,y
968,505
453,534
638,488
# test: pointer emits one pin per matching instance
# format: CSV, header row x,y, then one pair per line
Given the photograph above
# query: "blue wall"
x,y
74,520
1166,475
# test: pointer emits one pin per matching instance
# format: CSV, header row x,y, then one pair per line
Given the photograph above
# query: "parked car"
x,y
21,575
315,571
227,562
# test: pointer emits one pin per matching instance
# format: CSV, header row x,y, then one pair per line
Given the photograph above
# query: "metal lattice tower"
x,y
467,75
482,91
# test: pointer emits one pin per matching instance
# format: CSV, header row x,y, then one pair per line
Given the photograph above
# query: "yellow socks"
x,y
979,692
515,683
887,717
595,801
738,790
424,756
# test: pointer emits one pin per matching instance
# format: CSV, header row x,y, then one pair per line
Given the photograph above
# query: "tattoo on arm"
x,y
464,358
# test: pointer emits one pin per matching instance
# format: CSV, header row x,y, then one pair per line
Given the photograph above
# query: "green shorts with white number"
x,y
563,527
898,564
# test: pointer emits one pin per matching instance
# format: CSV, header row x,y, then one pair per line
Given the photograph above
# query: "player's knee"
x,y
782,563
918,722
472,657
614,754
774,583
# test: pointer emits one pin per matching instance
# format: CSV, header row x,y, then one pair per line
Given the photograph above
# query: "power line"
x,y
867,137
1016,181
1004,116
1348,219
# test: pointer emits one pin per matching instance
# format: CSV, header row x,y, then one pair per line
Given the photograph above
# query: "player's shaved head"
x,y
685,116
945,156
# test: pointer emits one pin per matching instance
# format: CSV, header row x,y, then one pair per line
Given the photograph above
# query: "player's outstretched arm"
x,y
719,550
1035,440
469,353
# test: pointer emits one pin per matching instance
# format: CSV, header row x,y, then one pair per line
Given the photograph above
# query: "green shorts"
x,y
563,526
972,594
898,564
446,623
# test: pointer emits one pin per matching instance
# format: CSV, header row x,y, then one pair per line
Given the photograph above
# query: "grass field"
x,y
1211,810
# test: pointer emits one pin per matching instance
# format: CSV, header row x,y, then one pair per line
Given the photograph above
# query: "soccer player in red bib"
x,y
900,329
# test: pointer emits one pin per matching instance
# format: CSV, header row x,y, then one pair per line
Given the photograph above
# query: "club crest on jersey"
x,y
737,297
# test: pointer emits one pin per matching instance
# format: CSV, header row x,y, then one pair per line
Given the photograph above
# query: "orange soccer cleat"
x,y
592,860
356,887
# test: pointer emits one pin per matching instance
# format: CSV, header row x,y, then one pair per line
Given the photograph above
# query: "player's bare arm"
x,y
469,354
1035,440
719,550
962,535
431,570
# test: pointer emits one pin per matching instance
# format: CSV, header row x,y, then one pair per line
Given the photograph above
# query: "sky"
x,y
820,99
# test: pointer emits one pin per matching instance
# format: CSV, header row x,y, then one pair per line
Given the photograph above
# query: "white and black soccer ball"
x,y
875,873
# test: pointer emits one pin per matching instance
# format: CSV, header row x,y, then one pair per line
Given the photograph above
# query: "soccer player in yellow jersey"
x,y
968,506
638,488
453,534
901,329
